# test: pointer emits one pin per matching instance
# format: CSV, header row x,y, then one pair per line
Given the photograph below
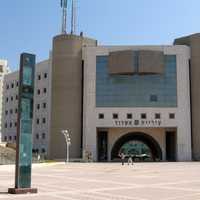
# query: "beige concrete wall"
x,y
157,133
118,59
66,94
182,111
194,42
151,62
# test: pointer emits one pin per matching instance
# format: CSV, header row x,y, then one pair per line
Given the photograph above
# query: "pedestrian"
x,y
38,157
130,160
122,156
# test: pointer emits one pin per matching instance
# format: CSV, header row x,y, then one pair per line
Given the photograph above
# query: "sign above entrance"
x,y
136,123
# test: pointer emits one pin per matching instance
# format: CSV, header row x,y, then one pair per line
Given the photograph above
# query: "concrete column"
x,y
183,144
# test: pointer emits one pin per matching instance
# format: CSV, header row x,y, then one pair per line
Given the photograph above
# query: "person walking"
x,y
122,156
130,160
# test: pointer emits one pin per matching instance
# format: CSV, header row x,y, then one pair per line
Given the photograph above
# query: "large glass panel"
x,y
135,148
136,90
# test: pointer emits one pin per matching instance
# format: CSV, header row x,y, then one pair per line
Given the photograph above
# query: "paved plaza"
x,y
108,181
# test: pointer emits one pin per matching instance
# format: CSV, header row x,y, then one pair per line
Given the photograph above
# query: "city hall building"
x,y
139,100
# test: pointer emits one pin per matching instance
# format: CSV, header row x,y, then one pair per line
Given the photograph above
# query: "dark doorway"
x,y
170,146
137,144
102,146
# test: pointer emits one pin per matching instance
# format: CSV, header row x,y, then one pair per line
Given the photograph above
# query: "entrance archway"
x,y
137,144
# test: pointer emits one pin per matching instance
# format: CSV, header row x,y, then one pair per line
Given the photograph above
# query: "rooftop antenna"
x,y
64,16
73,17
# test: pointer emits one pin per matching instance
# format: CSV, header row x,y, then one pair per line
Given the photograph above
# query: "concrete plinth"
x,y
22,190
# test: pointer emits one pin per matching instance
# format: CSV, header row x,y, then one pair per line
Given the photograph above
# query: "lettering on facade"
x,y
137,123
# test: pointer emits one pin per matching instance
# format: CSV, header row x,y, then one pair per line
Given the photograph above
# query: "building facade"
x,y
139,100
41,107
4,69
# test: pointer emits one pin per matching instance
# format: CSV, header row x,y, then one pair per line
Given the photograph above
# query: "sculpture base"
x,y
22,190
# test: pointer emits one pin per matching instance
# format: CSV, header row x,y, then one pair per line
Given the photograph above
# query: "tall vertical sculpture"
x,y
24,128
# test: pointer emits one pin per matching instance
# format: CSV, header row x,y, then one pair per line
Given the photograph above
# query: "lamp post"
x,y
68,142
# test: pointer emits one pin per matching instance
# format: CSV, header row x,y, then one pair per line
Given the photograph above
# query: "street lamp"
x,y
68,142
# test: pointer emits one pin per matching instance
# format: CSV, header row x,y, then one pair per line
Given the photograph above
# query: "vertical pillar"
x,y
24,128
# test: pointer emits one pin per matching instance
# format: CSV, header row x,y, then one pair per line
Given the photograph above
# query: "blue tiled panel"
x,y
135,90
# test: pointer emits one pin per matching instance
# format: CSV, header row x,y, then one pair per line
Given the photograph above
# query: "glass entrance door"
x,y
102,146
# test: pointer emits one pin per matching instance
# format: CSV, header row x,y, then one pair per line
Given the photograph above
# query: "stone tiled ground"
x,y
97,181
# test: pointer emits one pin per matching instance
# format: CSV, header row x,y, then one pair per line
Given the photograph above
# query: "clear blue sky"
x,y
29,25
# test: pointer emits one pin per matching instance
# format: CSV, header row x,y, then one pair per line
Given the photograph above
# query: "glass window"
x,y
45,75
157,116
7,86
5,138
152,90
12,85
135,148
11,98
6,125
10,124
44,120
45,90
16,110
153,98
38,92
38,106
44,105
11,111
37,136
39,77
16,97
129,116
43,135
101,116
115,116
6,99
43,150
10,138
6,112
38,121
172,115
143,116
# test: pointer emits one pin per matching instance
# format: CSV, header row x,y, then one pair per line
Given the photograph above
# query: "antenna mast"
x,y
64,16
73,17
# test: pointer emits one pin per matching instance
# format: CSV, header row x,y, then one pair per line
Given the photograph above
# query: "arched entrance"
x,y
139,145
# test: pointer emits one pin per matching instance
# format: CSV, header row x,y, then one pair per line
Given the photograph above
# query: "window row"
x,y
142,116
43,105
10,138
39,76
43,121
43,136
11,111
40,91
37,151
12,98
12,85
10,125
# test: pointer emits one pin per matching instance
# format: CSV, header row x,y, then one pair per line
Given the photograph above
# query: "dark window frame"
x,y
172,116
115,116
157,116
101,116
143,116
129,116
